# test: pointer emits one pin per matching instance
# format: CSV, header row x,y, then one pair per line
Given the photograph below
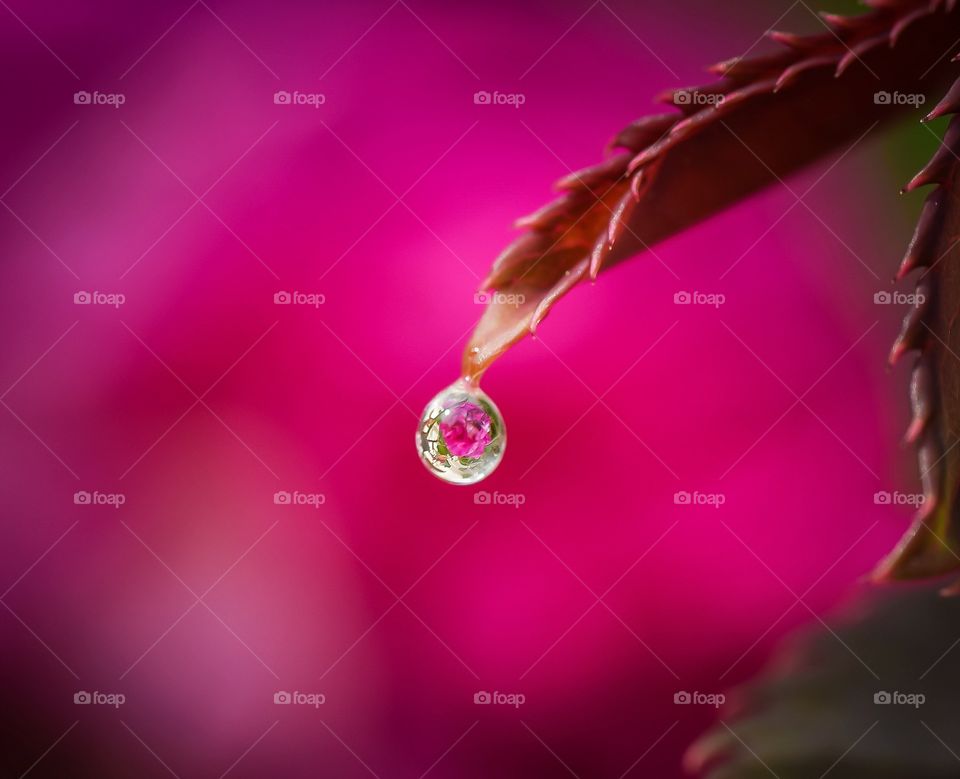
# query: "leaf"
x,y
932,545
814,713
779,112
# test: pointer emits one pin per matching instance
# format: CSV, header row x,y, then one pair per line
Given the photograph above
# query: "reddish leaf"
x,y
932,545
780,112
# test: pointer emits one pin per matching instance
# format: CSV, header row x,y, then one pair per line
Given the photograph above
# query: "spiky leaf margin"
x,y
779,112
932,545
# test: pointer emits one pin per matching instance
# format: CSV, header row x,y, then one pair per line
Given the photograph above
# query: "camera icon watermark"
x,y
96,498
114,99
484,498
312,99
684,698
696,97
684,298
895,498
297,698
485,298
896,698
515,99
496,698
697,498
885,298
96,298
297,498
97,698
915,99
295,298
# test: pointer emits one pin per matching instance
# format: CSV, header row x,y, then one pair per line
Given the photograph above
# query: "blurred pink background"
x,y
198,398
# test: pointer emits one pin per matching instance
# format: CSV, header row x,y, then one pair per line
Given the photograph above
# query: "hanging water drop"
x,y
461,435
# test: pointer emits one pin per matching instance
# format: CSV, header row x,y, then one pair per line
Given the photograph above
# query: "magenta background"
x,y
320,386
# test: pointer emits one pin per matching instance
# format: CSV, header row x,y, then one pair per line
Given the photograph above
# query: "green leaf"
x,y
813,712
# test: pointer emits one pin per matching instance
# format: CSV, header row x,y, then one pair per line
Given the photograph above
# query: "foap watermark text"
x,y
896,298
514,299
312,99
113,99
484,498
684,698
295,298
96,498
96,298
696,97
684,298
896,698
697,498
916,99
515,99
297,498
97,698
297,698
496,698
895,498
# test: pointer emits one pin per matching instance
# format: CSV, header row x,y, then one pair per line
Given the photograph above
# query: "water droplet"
x,y
461,435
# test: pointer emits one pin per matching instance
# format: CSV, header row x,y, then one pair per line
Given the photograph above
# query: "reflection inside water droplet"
x,y
461,436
